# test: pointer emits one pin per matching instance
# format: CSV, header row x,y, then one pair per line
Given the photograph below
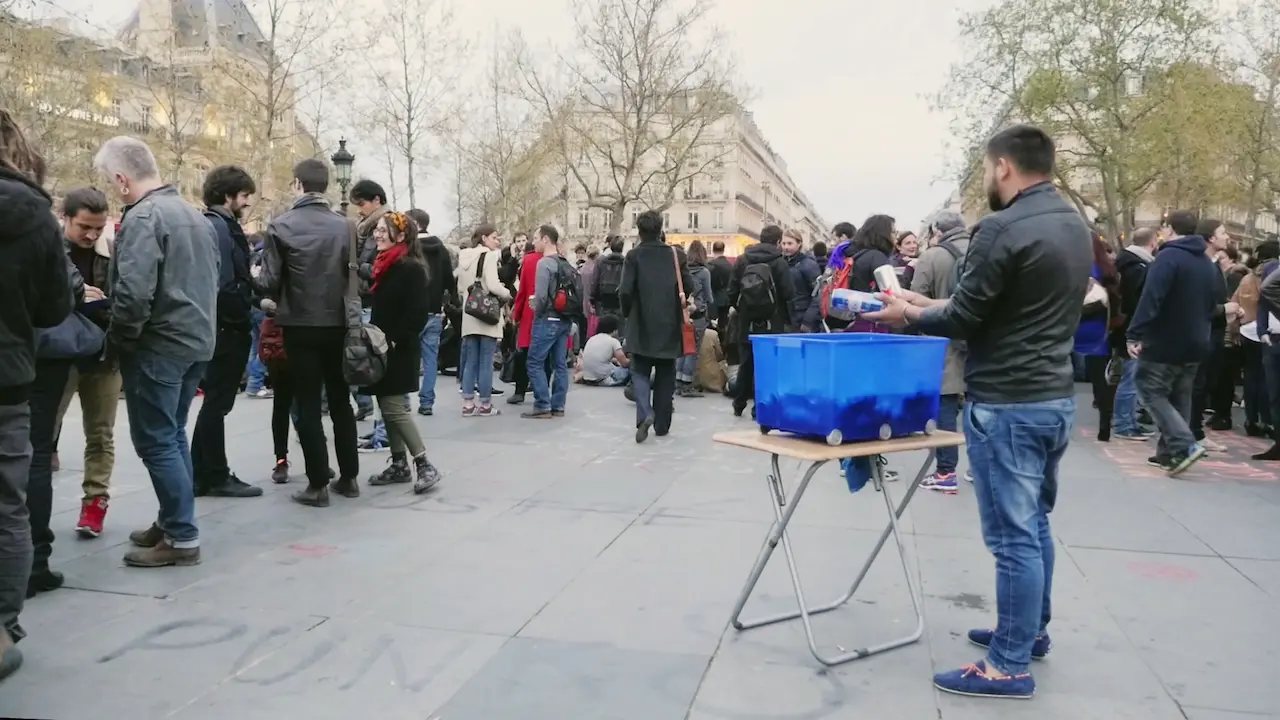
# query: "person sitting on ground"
x,y
604,364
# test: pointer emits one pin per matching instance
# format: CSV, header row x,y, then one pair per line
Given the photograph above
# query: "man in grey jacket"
x,y
936,274
164,291
304,270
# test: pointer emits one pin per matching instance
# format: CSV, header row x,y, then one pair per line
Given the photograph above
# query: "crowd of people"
x,y
184,301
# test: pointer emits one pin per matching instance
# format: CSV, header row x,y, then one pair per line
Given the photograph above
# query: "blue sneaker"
x,y
942,482
982,638
972,680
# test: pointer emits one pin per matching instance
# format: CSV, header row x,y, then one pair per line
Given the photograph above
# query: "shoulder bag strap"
x,y
353,267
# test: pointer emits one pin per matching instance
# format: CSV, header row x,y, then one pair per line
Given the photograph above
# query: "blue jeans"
x,y
430,340
1125,415
477,367
550,339
257,368
1014,450
158,393
948,414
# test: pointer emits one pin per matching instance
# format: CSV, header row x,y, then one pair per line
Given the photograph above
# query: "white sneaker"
x,y
968,476
1213,446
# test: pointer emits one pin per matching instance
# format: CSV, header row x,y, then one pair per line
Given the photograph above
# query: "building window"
x,y
115,108
693,220
666,220
608,219
717,221
584,219
635,218
689,189
145,120
1133,85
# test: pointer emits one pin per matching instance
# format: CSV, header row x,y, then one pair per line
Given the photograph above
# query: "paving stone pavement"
x,y
561,571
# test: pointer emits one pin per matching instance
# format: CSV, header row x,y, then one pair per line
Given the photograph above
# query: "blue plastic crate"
x,y
848,387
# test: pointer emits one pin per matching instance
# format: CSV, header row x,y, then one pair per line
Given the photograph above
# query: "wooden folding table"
x,y
819,453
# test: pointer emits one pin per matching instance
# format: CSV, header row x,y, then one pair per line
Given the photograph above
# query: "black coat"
x,y
721,271
650,299
400,310
784,289
441,286
33,280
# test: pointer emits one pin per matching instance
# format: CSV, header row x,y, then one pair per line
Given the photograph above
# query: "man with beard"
x,y
1018,305
228,192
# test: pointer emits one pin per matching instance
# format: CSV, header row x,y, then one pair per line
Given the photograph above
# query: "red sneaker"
x,y
92,514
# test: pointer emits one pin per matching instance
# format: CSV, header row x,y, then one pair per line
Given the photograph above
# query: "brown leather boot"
x,y
148,538
162,555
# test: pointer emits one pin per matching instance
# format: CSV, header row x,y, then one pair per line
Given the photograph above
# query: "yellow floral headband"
x,y
398,220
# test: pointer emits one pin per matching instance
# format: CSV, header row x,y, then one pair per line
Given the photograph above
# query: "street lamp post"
x,y
342,161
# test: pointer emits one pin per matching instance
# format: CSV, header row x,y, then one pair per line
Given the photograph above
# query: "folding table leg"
x,y
778,531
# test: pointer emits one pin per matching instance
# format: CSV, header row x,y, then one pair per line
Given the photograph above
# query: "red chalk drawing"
x,y
1162,571
312,551
1234,464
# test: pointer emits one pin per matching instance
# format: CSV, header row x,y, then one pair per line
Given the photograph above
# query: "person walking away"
x,y
606,281
703,302
84,216
1269,336
1257,409
33,295
1131,266
1171,334
821,253
228,192
305,271
522,316
1222,384
440,292
478,272
371,204
721,274
936,275
1093,336
587,274
1216,238
803,313
555,302
164,277
398,298
653,305
604,364
761,292
1018,310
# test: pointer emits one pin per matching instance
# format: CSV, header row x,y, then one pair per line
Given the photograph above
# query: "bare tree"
x,y
414,68
636,108
173,97
1257,24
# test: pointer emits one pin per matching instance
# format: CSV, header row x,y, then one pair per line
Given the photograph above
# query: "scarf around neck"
x,y
386,259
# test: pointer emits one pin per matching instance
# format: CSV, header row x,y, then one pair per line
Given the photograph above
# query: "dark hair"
x,y
718,247
528,247
85,199
697,253
420,218
903,236
820,249
616,243
844,229
771,235
549,232
481,232
649,225
312,175
1265,251
581,248
1207,227
1183,222
876,233
409,238
1102,260
1028,147
16,153
1233,253
607,325
367,191
226,181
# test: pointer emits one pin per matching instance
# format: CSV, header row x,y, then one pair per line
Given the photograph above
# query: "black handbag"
x,y
74,338
482,304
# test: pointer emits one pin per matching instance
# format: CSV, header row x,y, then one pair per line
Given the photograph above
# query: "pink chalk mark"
x,y
1162,571
312,551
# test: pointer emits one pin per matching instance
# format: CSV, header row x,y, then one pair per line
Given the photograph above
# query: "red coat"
x,y
521,313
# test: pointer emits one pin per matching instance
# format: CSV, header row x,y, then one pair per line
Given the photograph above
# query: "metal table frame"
x,y
818,455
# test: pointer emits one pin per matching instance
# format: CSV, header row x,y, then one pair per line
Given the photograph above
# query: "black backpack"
x,y
757,296
609,279
566,301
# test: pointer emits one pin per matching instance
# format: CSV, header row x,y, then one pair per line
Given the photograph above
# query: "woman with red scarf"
x,y
399,308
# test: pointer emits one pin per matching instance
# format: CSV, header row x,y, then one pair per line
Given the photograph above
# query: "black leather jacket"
x,y
1018,302
304,265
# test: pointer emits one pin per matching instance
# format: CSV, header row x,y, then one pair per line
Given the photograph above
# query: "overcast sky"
x,y
839,87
